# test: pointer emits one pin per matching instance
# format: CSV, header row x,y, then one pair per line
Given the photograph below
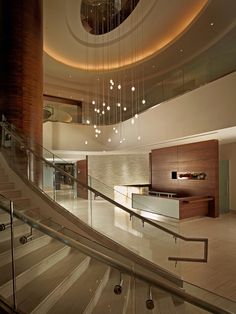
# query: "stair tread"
x,y
5,246
109,301
83,289
29,260
49,280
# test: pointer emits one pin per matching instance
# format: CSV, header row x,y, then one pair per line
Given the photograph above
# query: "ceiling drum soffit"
x,y
162,23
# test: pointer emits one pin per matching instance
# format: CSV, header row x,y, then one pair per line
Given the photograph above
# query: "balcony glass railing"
x,y
47,268
212,64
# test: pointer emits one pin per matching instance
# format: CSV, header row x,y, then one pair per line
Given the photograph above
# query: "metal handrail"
x,y
132,213
116,264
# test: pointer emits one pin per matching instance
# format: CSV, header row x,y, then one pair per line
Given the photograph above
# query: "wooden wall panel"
x,y
82,176
21,65
196,157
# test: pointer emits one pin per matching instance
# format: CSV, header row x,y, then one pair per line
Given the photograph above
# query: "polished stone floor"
x,y
217,275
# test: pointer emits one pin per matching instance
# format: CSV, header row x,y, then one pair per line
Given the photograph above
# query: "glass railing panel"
x,y
99,208
7,264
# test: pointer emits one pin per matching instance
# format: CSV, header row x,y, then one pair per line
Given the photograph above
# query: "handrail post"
x,y
54,179
13,257
90,195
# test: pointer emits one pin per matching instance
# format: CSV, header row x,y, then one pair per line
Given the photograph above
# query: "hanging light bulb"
x,y
136,115
133,88
109,140
95,109
98,110
120,141
88,122
132,121
93,102
94,126
143,101
103,112
86,142
116,131
108,108
104,104
118,104
119,86
111,87
96,135
114,128
123,139
139,137
125,108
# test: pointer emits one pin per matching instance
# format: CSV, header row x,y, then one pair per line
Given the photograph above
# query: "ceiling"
x,y
158,37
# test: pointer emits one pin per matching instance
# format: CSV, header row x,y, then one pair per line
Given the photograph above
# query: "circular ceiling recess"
x,y
99,17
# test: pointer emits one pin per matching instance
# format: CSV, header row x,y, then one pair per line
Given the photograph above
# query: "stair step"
x,y
88,287
21,203
6,186
109,301
20,228
32,265
4,178
5,245
55,282
21,250
10,194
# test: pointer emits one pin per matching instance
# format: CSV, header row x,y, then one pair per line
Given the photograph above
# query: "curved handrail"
x,y
119,265
132,213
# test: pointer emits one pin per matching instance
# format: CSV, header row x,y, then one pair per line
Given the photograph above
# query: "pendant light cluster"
x,y
115,97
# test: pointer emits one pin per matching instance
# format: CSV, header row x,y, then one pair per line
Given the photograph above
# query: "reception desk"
x,y
179,208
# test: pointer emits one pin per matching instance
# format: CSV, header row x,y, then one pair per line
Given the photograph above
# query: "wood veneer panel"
x,y
196,157
21,67
82,176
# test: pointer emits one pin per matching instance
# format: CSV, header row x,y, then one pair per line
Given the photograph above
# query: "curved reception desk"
x,y
179,208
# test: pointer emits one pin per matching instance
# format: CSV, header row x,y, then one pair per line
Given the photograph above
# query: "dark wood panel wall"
x,y
196,157
21,67
82,176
